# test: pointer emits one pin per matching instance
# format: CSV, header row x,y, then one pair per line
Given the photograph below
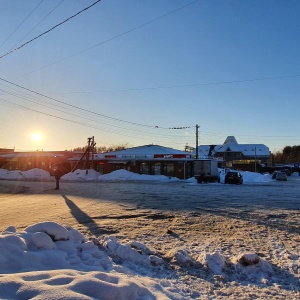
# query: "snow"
x,y
47,254
47,260
92,175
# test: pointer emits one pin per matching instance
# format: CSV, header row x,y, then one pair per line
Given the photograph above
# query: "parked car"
x,y
274,174
234,177
281,176
287,172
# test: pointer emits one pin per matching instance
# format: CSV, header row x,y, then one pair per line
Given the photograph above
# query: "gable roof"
x,y
149,150
231,145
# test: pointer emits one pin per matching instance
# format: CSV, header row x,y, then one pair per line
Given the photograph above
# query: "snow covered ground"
x,y
91,175
131,236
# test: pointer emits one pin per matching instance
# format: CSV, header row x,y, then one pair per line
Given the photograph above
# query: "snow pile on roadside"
x,y
78,267
248,177
92,175
81,175
256,177
126,175
30,174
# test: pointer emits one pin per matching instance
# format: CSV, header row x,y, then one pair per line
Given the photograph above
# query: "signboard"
x,y
172,156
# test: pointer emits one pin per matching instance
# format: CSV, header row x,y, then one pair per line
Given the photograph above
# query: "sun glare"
x,y
37,137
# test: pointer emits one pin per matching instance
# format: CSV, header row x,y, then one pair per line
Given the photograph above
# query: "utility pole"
x,y
197,145
87,160
255,159
93,150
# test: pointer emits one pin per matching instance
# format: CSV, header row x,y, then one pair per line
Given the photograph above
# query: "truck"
x,y
206,170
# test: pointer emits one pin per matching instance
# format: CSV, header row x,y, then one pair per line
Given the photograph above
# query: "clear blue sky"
x,y
232,67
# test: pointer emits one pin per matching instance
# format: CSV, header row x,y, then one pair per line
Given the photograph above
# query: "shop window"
x,y
169,169
144,168
157,169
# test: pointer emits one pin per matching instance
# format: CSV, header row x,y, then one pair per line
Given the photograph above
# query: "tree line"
x,y
103,149
288,155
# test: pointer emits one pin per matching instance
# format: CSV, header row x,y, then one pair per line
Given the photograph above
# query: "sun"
x,y
37,137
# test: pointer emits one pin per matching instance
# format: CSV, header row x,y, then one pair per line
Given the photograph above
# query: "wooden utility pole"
x,y
197,137
86,154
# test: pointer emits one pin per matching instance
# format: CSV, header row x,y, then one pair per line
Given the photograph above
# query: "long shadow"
x,y
83,218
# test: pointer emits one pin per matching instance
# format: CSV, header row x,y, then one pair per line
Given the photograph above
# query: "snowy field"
x,y
130,236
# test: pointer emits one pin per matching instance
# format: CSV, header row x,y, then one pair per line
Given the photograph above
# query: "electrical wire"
x,y
85,110
177,86
120,133
22,23
68,19
39,23
124,130
93,120
111,39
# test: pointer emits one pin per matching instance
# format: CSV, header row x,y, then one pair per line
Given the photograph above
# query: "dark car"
x,y
281,176
286,171
234,177
274,174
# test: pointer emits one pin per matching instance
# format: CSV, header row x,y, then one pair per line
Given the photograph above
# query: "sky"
x,y
147,72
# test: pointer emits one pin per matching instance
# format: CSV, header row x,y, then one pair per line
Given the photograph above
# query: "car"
x,y
281,176
274,174
286,171
234,177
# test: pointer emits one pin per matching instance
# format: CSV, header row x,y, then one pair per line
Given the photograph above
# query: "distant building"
x,y
148,159
24,161
239,156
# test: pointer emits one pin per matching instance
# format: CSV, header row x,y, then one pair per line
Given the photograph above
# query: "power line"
x,y
137,124
82,109
96,121
111,39
22,23
39,23
68,19
179,86
120,133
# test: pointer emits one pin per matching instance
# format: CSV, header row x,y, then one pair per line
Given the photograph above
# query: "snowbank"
x,y
48,255
81,175
126,175
30,174
92,175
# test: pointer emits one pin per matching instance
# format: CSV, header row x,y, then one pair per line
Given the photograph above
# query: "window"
x,y
169,169
144,168
157,167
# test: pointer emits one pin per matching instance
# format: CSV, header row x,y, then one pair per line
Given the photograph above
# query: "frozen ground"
x,y
123,236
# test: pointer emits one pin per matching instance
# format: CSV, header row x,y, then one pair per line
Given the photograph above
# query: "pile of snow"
x,y
248,177
213,261
81,175
47,255
126,175
30,174
256,177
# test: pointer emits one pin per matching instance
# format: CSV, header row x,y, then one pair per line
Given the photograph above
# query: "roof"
x,y
33,154
231,145
146,151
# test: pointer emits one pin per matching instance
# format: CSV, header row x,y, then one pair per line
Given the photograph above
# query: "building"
x,y
148,159
238,156
24,161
